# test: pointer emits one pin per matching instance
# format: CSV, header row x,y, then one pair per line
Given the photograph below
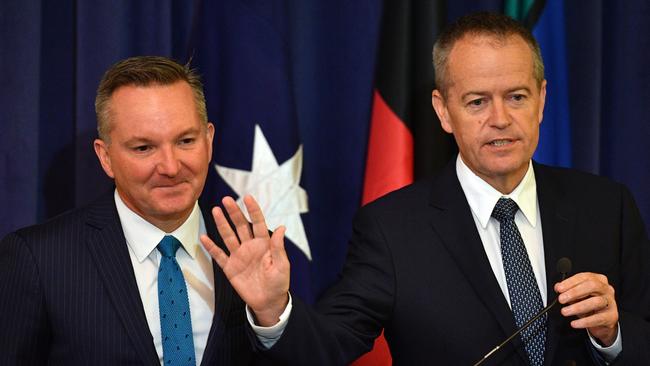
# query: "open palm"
x,y
257,267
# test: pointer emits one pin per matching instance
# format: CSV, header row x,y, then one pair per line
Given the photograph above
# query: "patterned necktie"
x,y
525,298
175,320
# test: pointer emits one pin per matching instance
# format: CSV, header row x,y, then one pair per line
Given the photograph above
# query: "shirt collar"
x,y
143,237
482,197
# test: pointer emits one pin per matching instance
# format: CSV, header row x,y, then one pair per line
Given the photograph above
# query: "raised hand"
x,y
258,267
590,297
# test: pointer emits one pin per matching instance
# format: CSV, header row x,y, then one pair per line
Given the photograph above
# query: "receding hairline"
x,y
155,85
493,39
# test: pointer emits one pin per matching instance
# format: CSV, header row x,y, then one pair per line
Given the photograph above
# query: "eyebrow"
x,y
484,93
146,140
518,88
477,93
137,140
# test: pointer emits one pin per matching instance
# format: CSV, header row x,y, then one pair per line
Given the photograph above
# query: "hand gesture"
x,y
590,297
258,267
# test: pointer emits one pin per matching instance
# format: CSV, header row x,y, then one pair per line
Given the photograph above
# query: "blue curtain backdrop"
x,y
302,71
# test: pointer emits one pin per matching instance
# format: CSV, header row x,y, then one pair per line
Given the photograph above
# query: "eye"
x,y
187,141
476,102
141,148
518,98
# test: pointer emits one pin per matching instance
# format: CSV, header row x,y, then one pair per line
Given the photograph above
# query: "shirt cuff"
x,y
268,336
609,353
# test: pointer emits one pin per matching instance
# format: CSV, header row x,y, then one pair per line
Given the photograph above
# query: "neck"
x,y
169,225
166,223
505,185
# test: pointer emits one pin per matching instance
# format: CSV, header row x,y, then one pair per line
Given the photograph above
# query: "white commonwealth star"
x,y
275,187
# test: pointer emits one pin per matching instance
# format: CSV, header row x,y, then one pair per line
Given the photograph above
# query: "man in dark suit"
x,y
87,288
452,266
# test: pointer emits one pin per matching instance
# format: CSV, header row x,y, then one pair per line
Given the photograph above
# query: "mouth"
x,y
500,142
169,185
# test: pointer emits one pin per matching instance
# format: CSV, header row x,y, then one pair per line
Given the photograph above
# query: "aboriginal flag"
x,y
406,141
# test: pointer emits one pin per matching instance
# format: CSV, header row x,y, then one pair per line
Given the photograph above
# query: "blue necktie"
x,y
175,320
525,298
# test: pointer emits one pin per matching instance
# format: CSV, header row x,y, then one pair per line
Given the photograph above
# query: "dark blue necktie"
x,y
175,320
525,298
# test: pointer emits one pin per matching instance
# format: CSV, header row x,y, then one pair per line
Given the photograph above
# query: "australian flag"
x,y
242,55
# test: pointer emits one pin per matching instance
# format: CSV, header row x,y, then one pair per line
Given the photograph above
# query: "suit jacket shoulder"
x,y
72,298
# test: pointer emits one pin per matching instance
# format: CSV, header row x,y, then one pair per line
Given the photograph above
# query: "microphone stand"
x,y
564,267
528,323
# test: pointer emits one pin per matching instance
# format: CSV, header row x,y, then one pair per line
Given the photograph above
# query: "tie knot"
x,y
505,209
168,246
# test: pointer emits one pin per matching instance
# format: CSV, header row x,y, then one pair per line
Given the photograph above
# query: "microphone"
x,y
563,266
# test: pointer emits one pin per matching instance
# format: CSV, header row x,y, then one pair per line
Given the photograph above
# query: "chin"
x,y
510,168
172,213
176,204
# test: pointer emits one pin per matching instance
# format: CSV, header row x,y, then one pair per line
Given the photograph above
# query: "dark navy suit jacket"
x,y
416,267
68,296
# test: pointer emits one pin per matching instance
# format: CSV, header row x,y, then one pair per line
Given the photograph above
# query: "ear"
x,y
440,106
101,150
542,101
210,136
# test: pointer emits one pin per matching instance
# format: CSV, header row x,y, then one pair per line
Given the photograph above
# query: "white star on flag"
x,y
275,187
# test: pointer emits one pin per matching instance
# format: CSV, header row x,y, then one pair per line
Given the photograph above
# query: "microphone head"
x,y
564,265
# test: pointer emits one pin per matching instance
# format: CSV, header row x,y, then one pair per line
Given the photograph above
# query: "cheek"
x,y
532,127
134,171
534,139
199,160
470,135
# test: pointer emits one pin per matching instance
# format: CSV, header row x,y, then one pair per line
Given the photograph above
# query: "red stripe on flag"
x,y
378,356
389,164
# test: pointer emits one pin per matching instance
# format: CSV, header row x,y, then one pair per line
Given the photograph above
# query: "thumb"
x,y
277,243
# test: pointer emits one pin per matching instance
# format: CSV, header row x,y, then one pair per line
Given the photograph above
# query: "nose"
x,y
499,116
168,163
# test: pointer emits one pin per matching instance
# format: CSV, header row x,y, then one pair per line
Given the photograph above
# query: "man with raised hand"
x,y
451,266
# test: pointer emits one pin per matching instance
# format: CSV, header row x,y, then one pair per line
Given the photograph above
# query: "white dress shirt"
x,y
482,198
142,239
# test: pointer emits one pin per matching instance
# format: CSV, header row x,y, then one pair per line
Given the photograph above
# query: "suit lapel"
x,y
558,218
109,251
451,219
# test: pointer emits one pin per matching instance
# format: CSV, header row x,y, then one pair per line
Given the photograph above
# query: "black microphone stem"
x,y
528,323
564,266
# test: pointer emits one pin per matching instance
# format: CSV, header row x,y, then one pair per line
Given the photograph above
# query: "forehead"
x,y
484,61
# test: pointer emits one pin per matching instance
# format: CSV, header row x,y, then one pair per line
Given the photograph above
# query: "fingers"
x,y
582,286
225,231
257,217
595,320
578,279
590,298
588,306
215,252
241,224
238,219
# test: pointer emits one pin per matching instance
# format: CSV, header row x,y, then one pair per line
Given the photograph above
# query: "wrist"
x,y
270,315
